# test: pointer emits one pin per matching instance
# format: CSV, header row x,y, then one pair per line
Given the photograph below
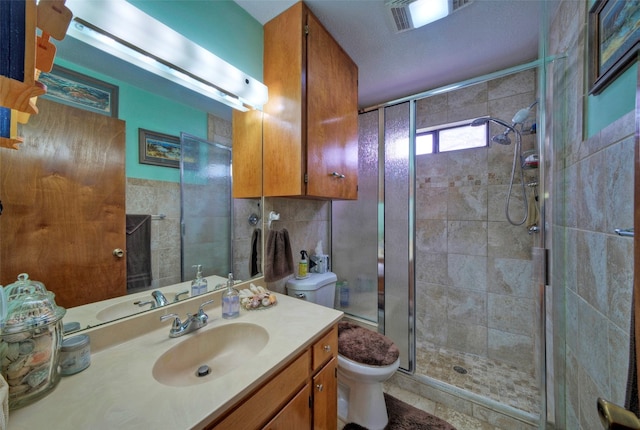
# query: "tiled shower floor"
x,y
497,381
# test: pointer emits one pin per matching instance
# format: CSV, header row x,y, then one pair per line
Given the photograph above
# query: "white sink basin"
x,y
126,308
214,351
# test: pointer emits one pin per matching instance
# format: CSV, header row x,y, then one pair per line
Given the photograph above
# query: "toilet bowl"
x,y
366,358
360,393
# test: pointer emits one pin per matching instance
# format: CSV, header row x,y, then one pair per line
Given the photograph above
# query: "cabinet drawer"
x,y
254,411
325,348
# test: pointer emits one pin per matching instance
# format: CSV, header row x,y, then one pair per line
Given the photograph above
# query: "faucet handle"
x,y
176,319
202,305
181,293
141,303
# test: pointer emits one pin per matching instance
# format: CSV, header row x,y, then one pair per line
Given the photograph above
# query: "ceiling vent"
x,y
401,16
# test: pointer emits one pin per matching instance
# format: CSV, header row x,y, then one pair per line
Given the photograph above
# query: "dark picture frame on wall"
x,y
159,149
614,40
75,89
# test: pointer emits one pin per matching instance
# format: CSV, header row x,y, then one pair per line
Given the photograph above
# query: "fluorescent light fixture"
x,y
122,30
424,12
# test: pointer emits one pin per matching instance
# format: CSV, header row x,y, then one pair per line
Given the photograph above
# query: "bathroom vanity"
x,y
287,378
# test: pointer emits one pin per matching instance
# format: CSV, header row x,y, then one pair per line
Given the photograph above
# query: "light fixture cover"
x,y
122,21
424,12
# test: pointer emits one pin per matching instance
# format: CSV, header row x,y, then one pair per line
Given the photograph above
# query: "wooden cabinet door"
x,y
63,194
247,154
325,397
296,415
283,154
332,117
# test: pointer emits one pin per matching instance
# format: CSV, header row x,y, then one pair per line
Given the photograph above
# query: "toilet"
x,y
366,358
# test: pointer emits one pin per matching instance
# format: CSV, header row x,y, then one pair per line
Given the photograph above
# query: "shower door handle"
x,y
118,252
613,416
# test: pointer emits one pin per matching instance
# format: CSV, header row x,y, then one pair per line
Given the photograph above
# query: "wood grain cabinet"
x,y
302,395
310,141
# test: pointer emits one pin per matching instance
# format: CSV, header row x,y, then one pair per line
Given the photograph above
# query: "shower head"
x,y
502,138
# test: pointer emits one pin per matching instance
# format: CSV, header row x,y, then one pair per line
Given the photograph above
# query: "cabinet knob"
x,y
327,348
118,252
337,175
319,387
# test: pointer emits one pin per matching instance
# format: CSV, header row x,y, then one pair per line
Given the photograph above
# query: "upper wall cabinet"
x,y
311,120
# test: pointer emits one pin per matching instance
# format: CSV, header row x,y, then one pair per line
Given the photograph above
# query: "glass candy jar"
x,y
30,341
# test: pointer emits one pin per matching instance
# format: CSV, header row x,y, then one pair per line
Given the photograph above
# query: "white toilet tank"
x,y
319,288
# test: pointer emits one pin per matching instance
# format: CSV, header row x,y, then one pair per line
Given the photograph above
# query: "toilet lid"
x,y
365,346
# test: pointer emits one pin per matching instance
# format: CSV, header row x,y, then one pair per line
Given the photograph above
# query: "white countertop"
x,y
118,390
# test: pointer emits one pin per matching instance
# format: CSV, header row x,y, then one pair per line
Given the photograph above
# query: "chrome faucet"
x,y
160,299
191,323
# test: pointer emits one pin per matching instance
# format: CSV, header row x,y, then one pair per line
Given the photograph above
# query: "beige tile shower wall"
x,y
307,222
593,267
598,268
474,290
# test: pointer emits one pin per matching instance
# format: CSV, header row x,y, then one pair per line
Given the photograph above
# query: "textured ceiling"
x,y
483,37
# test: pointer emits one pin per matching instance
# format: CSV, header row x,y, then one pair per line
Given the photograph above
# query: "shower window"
x,y
451,137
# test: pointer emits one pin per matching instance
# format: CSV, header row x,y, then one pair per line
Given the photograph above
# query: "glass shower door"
x,y
355,231
206,209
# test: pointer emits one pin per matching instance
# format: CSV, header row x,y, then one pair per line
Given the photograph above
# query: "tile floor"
x,y
459,420
501,382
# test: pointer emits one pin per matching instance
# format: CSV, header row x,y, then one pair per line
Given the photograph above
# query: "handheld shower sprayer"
x,y
521,116
503,139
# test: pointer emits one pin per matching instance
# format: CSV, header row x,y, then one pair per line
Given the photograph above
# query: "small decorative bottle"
x,y
230,300
198,285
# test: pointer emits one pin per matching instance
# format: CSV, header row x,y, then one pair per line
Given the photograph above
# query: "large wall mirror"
x,y
68,190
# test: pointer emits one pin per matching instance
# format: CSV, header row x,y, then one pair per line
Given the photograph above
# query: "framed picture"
x,y
159,149
614,40
81,91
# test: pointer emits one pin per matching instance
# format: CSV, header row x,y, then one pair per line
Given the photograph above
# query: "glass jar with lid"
x,y
30,341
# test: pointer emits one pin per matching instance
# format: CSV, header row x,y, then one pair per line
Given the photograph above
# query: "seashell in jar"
x,y
16,390
17,337
26,346
40,357
16,375
42,342
18,364
37,377
13,351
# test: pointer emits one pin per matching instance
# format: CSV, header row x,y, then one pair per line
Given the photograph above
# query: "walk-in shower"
x,y
428,255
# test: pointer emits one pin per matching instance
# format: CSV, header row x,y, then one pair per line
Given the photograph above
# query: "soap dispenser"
x,y
198,285
303,265
230,301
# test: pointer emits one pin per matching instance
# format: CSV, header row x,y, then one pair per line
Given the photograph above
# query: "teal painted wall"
x,y
223,28
618,99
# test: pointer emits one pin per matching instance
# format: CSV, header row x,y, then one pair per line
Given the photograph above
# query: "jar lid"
x,y
29,305
70,326
75,342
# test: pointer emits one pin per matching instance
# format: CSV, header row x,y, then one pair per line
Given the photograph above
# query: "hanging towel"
x,y
255,253
279,258
138,251
533,214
